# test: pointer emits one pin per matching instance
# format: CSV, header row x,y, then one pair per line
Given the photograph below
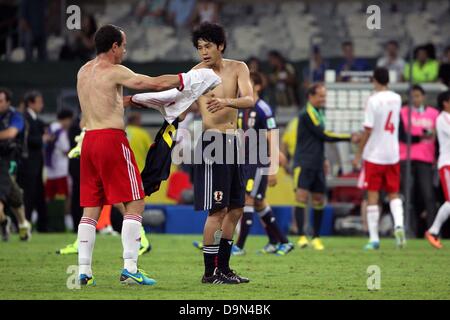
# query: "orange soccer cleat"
x,y
433,240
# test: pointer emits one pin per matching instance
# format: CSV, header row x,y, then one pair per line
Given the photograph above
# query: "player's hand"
x,y
357,162
127,102
326,167
356,137
215,104
47,137
272,180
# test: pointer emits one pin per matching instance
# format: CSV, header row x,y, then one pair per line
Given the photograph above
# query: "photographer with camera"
x,y
11,127
423,157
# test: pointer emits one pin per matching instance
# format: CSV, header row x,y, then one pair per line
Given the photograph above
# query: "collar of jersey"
x,y
317,112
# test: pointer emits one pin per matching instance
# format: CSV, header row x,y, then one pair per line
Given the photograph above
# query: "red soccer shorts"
x,y
379,177
444,173
56,187
109,173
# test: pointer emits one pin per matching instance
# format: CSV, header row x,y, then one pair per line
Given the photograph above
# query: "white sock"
x,y
86,241
373,216
131,241
442,216
396,206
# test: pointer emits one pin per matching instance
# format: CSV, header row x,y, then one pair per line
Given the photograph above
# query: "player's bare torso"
x,y
100,97
226,118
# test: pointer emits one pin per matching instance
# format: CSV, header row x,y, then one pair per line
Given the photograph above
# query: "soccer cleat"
x,y
375,245
25,231
433,240
109,231
303,242
86,280
69,249
219,278
400,238
317,244
198,244
140,277
233,275
145,244
145,249
5,228
236,251
284,249
268,249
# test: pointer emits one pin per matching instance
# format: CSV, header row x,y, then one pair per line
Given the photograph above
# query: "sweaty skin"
x,y
100,97
235,79
100,85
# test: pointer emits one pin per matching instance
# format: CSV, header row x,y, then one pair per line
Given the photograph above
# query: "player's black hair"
x,y
312,90
418,88
346,43
7,93
393,42
64,114
443,97
253,58
381,75
30,96
257,78
106,36
419,48
277,54
211,32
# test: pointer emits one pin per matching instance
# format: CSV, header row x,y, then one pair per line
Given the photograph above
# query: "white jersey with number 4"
x,y
443,134
382,115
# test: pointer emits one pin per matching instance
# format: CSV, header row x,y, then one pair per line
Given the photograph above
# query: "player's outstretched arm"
x,y
127,78
313,124
245,99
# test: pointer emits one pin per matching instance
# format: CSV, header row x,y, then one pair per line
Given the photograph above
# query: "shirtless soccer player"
x,y
219,187
109,173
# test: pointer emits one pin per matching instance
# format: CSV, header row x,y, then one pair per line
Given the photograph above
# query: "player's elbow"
x,y
249,102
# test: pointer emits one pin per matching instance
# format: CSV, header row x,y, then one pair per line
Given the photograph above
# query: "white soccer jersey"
x,y
443,134
59,161
382,115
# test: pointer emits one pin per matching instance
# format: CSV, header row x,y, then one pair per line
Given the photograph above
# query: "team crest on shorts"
x,y
218,196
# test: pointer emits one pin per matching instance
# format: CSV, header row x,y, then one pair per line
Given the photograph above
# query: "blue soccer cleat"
x,y
198,244
375,245
284,249
140,277
236,251
268,249
86,281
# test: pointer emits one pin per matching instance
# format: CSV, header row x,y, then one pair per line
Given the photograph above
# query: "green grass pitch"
x,y
33,271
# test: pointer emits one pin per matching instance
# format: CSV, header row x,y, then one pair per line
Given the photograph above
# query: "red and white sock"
x,y
131,241
86,241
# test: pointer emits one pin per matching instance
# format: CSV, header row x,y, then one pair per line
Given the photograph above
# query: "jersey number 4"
x,y
389,126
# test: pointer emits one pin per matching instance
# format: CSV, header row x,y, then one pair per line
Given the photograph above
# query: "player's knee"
x,y
135,207
218,214
249,200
